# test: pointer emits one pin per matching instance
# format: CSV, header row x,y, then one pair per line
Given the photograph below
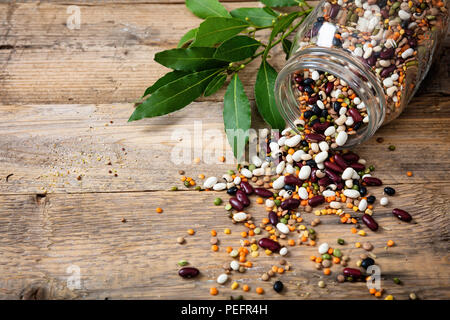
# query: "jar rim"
x,y
342,65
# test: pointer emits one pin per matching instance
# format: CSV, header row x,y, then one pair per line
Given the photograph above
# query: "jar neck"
x,y
343,66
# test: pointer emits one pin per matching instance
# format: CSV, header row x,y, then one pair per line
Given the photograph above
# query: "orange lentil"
x,y
191,232
159,210
312,258
213,291
330,251
201,176
192,183
244,234
274,268
390,243
336,260
353,230
248,264
259,200
304,239
229,249
378,294
312,243
222,159
280,270
409,174
326,271
213,232
214,248
344,219
242,259
318,260
183,178
265,220
372,291
251,233
259,290
246,288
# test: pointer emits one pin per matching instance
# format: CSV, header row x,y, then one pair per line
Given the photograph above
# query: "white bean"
x,y
350,193
329,131
221,279
328,193
323,248
297,155
280,167
219,186
246,173
282,228
283,251
321,157
303,193
384,201
279,183
341,138
362,205
256,161
239,216
348,173
323,145
210,182
292,142
304,173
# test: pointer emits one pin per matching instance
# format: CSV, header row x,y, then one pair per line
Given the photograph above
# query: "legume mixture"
x,y
304,171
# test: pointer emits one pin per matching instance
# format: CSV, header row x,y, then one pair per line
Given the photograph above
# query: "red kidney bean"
x,y
387,53
325,181
328,88
267,243
320,127
313,99
371,181
355,114
402,215
357,166
314,137
372,60
236,204
273,218
333,166
332,175
386,72
290,204
334,10
385,13
248,189
339,185
313,175
263,192
370,222
340,161
293,180
242,197
315,201
354,273
350,157
188,272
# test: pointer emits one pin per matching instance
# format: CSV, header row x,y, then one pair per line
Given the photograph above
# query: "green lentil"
x,y
186,183
283,220
337,253
228,207
217,201
391,147
277,202
230,172
326,256
341,241
174,189
396,280
372,168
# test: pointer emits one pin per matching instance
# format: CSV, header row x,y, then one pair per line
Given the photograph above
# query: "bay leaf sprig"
x,y
217,50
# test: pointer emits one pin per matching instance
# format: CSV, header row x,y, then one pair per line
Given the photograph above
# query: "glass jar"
x,y
380,49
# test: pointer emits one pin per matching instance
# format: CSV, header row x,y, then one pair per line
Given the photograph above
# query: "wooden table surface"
x,y
65,97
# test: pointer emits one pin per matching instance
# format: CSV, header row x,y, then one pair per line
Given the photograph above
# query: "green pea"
x,y
322,119
372,168
341,241
367,170
392,147
397,280
186,183
198,188
217,201
286,216
183,263
312,231
283,220
228,207
230,172
174,189
277,202
305,149
355,187
337,253
314,117
305,185
326,256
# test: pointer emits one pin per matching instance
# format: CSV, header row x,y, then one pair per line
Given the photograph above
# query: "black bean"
x,y
304,143
389,191
232,191
308,114
324,113
289,187
278,286
307,82
357,125
362,191
315,108
337,42
371,199
311,163
308,90
367,262
336,106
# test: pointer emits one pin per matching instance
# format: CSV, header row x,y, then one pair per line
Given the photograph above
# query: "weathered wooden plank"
x,y
108,60
47,147
41,237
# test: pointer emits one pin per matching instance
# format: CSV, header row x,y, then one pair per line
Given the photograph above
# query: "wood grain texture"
x,y
40,238
65,99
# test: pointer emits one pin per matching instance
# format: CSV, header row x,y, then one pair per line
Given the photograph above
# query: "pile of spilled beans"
x,y
301,172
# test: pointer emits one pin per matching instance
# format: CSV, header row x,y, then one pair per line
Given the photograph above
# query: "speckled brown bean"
x,y
263,192
402,215
246,187
273,218
354,273
315,201
236,204
371,181
370,222
267,243
188,272
242,197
